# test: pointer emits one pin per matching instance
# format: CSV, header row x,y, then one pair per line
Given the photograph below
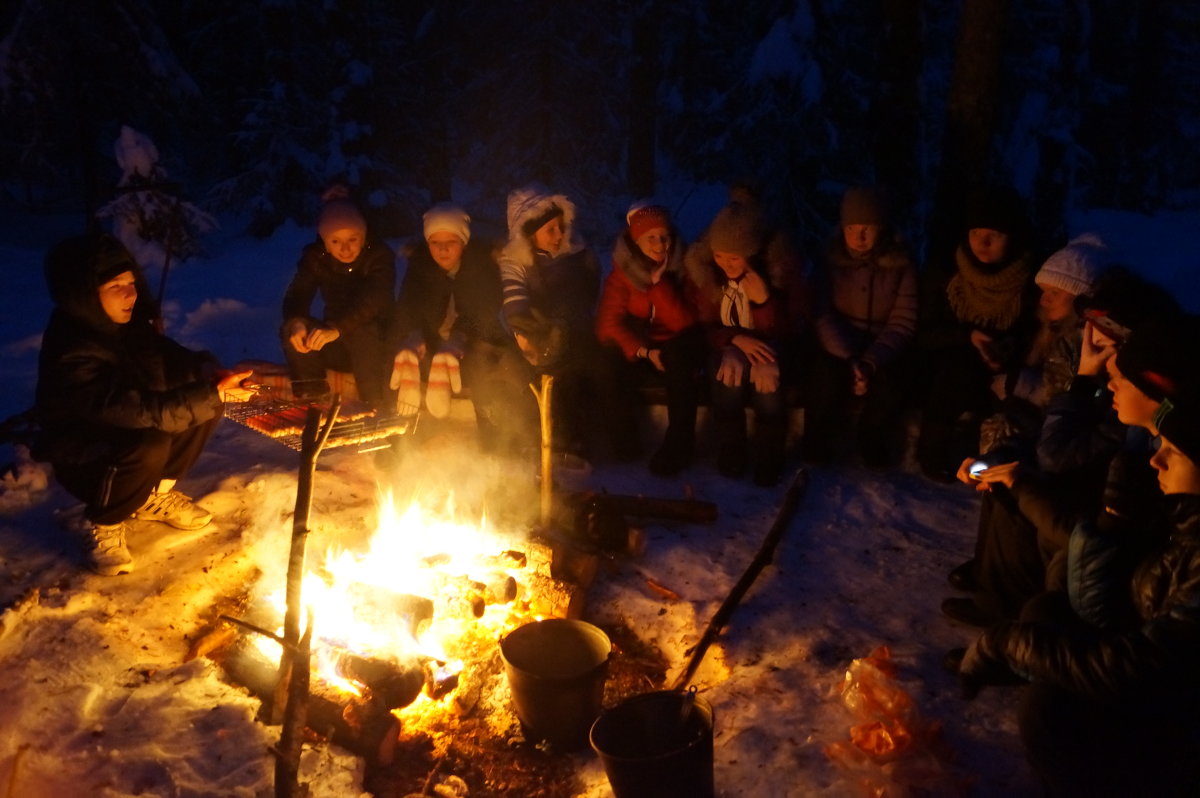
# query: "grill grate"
x,y
368,431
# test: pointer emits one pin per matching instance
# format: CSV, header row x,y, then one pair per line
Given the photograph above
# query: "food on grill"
x,y
280,423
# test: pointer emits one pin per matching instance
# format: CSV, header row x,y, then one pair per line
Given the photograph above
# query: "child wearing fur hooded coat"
x,y
648,329
865,321
550,282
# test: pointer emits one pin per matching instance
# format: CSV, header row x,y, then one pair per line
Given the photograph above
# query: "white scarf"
x,y
735,306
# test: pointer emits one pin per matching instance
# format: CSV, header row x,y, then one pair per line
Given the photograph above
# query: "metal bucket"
x,y
556,670
657,745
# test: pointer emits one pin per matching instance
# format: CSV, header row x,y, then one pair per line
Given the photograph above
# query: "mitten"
x,y
444,381
406,381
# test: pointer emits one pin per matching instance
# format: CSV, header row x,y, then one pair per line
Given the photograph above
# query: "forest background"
x,y
258,106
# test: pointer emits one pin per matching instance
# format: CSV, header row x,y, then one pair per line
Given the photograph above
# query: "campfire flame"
x,y
427,583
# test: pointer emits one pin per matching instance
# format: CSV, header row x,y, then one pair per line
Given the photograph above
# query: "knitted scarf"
x,y
987,300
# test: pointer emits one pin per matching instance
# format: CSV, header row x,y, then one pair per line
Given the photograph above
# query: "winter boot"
x,y
678,446
674,455
174,509
768,453
731,442
107,553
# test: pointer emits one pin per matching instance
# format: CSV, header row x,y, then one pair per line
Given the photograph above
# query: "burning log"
x,y
417,611
394,684
362,725
553,598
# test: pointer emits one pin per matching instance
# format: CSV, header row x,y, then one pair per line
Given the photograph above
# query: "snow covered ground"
x,y
96,697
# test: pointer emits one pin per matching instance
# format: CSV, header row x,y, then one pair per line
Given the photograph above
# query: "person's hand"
x,y
656,274
229,387
732,371
1003,474
527,348
983,345
985,663
860,377
655,358
298,336
318,337
764,377
755,287
964,471
755,350
1095,352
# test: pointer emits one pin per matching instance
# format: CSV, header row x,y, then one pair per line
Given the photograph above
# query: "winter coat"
x,y
1004,305
1051,362
867,306
541,289
1157,651
778,319
96,377
354,294
632,312
426,293
1080,428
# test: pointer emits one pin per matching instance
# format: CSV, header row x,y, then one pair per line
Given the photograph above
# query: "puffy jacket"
x,y
634,313
1157,650
95,375
867,307
427,289
355,294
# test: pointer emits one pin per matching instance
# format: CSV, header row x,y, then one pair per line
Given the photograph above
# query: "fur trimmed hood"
x,y
779,263
637,267
528,203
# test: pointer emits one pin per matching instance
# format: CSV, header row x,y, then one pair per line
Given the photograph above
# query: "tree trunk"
x,y
970,115
895,110
640,174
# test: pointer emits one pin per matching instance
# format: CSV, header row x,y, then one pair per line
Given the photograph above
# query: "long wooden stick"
x,y
791,500
314,437
295,717
547,429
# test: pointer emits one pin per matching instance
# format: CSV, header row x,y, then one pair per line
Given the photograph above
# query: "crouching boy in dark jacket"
x,y
123,410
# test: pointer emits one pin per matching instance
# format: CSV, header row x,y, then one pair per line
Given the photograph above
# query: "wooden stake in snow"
x,y
291,693
547,427
791,500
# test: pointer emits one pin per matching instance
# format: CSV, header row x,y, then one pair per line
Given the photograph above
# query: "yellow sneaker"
x,y
175,509
107,553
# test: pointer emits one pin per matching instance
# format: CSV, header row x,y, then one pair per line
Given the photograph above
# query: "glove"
x,y
444,381
984,663
765,377
406,381
732,371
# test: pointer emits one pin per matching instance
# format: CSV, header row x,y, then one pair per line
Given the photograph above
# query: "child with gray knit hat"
x,y
744,283
866,317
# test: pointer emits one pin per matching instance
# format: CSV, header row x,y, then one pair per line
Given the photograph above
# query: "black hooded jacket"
x,y
426,292
96,376
1156,650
